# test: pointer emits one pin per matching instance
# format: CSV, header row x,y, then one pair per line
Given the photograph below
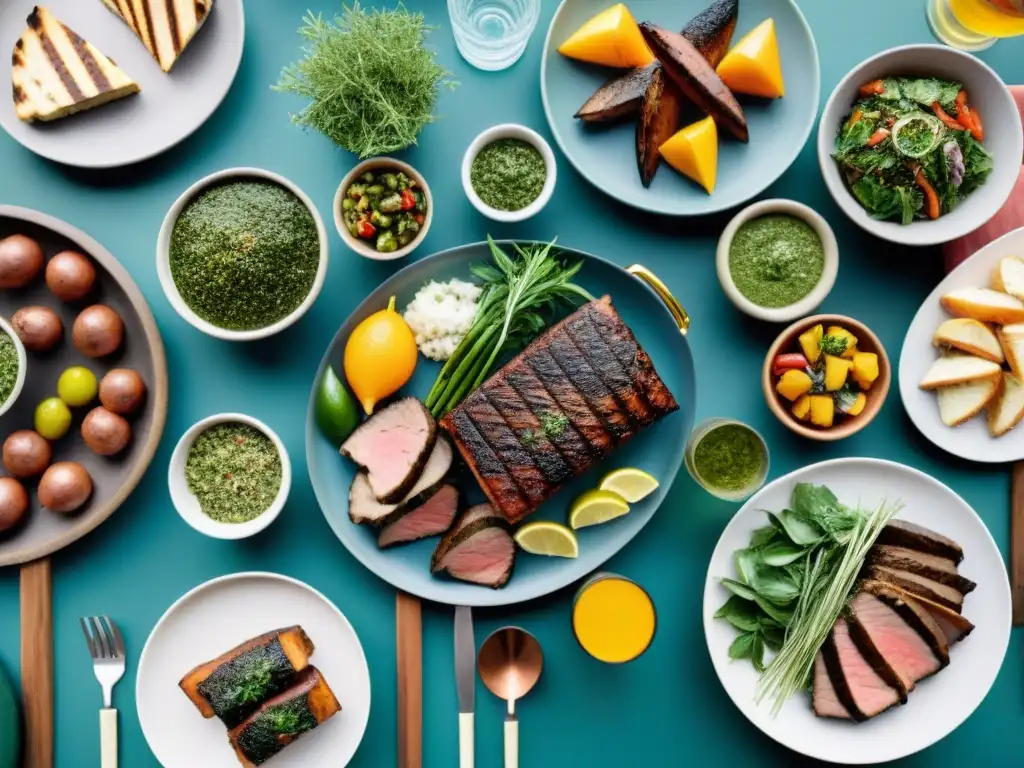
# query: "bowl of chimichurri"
x,y
13,365
777,260
509,172
727,458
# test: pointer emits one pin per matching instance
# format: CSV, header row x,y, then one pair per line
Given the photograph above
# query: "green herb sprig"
x,y
371,82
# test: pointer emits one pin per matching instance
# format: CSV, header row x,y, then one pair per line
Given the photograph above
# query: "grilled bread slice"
x,y
1007,409
970,336
55,73
165,27
1008,276
962,402
958,369
985,305
1011,339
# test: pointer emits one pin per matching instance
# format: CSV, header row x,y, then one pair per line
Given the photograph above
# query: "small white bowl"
x,y
808,303
1004,139
188,506
510,131
22,366
163,249
362,247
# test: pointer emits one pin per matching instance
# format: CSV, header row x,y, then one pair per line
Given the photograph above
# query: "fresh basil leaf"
x,y
762,537
739,589
774,520
742,614
780,613
796,570
757,652
747,562
781,553
742,646
775,585
774,637
799,530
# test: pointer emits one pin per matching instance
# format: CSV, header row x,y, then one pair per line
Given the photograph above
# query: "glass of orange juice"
x,y
613,618
973,25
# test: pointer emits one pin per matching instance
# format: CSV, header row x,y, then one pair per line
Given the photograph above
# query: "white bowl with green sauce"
x,y
229,476
13,366
509,172
777,260
727,458
277,245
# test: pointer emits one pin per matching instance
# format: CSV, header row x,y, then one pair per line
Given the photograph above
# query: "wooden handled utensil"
x,y
1017,542
409,641
37,662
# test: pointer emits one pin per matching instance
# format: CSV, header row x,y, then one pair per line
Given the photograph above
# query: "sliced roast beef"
x,y
940,569
901,533
431,518
392,446
823,696
954,626
858,686
918,585
365,509
479,549
914,613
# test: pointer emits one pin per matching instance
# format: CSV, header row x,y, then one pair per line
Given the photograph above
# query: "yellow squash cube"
x,y
836,371
865,366
809,341
851,340
822,410
693,151
611,38
864,384
858,406
802,407
792,384
753,66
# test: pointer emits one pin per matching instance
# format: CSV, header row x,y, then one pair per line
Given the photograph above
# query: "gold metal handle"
x,y
679,314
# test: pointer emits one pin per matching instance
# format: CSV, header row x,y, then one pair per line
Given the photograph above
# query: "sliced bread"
x,y
1008,276
1007,409
962,402
959,369
1011,339
970,336
985,305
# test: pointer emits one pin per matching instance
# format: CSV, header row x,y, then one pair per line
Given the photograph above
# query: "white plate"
x,y
218,615
167,111
972,440
939,704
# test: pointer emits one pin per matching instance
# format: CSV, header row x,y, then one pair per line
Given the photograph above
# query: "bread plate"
x,y
939,704
971,440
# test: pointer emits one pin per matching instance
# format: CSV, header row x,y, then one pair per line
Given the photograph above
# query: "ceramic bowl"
x,y
510,131
22,366
1004,139
808,303
163,247
787,341
363,247
188,506
699,433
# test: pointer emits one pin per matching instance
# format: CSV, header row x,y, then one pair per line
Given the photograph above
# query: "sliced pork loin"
x,y
934,567
858,686
917,585
823,697
431,518
479,548
365,509
392,446
900,533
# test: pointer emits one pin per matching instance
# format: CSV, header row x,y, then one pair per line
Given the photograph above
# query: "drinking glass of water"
x,y
492,34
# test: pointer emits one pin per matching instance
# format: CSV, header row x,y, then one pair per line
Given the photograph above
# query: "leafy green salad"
x,y
911,148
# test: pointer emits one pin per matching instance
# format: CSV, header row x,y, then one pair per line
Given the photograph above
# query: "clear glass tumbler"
x,y
492,34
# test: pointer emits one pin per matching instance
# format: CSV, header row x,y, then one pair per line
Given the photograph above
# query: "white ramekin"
x,y
509,131
22,366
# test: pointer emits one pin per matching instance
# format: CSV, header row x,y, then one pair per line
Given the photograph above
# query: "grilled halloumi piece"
x,y
165,27
56,73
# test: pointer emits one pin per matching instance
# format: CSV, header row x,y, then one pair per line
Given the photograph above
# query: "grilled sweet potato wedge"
x,y
696,78
659,120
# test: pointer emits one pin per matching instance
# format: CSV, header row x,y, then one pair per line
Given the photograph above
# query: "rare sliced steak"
x,y
954,626
431,518
940,569
479,549
486,465
392,446
918,585
859,688
363,507
823,696
900,533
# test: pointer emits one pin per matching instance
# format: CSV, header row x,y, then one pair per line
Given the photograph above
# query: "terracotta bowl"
x,y
787,341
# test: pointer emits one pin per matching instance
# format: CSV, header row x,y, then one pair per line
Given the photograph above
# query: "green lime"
x,y
53,418
336,411
546,538
77,386
596,507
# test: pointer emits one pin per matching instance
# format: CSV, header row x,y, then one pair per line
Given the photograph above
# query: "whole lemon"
x,y
380,356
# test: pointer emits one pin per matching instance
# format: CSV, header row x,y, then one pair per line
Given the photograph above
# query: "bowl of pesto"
x,y
509,173
13,365
777,260
242,254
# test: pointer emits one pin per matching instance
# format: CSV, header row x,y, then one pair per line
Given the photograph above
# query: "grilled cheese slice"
x,y
165,27
56,73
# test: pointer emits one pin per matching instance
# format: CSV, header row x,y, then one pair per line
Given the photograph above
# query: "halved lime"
x,y
596,507
336,412
546,538
630,483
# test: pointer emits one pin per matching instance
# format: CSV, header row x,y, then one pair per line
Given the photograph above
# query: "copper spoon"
x,y
510,662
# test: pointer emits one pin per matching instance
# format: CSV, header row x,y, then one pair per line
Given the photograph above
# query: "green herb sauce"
x,y
244,255
273,729
8,366
234,470
508,174
552,425
776,260
729,457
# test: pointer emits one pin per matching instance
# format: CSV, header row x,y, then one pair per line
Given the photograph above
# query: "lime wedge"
x,y
545,538
336,411
630,483
596,507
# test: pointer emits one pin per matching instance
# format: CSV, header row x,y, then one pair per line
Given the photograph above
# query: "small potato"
x,y
39,328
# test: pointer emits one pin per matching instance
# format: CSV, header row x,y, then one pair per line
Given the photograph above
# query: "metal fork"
x,y
106,646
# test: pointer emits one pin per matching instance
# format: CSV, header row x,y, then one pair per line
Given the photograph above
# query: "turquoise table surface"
x,y
667,708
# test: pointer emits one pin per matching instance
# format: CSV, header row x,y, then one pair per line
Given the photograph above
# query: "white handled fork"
x,y
106,646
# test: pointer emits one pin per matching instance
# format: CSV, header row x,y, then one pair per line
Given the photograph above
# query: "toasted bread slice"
x,y
962,402
985,305
1008,276
959,369
970,336
1007,409
1011,339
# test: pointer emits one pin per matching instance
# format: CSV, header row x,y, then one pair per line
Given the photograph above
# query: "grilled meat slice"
x,y
392,446
712,29
659,120
918,586
901,533
431,518
515,458
823,696
858,686
954,626
486,465
914,613
479,549
363,507
940,569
